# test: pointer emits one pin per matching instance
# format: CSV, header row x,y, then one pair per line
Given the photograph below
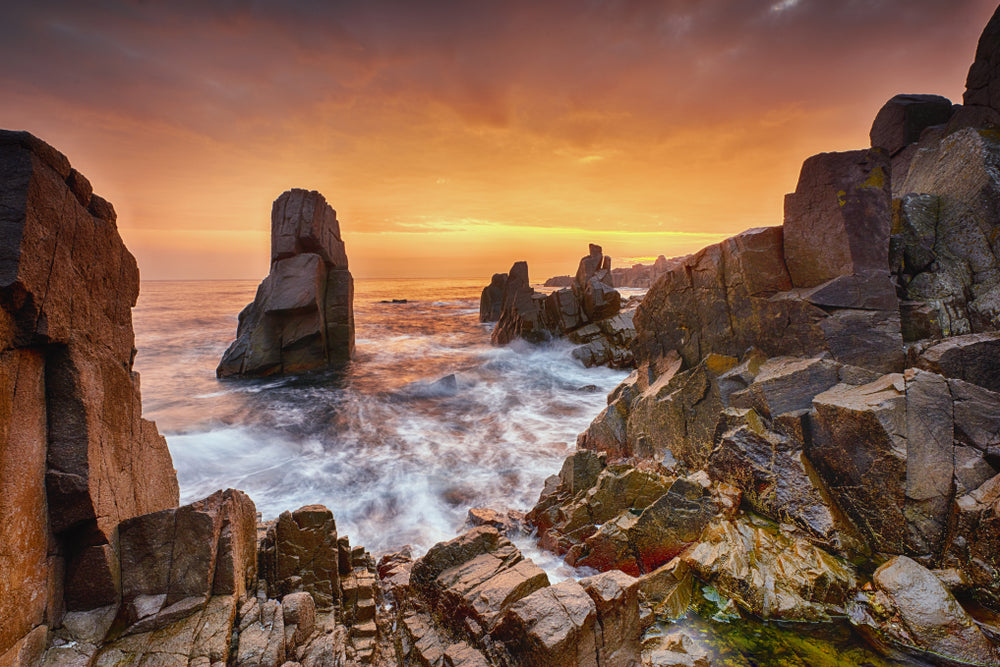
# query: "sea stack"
x,y
302,318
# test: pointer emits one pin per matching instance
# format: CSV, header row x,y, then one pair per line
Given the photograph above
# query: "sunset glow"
x,y
453,137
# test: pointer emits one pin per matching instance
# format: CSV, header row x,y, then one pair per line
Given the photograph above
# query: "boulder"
x,y
616,597
903,118
885,451
173,560
474,578
974,358
552,627
837,220
913,610
302,317
771,574
76,457
300,552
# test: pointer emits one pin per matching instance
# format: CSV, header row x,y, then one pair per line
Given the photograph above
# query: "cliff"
x,y
302,317
76,457
814,424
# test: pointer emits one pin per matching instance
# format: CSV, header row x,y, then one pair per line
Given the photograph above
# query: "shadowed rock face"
x,y
76,457
303,315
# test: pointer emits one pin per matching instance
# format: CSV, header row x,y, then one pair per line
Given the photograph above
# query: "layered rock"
x,y
588,311
838,375
76,457
302,317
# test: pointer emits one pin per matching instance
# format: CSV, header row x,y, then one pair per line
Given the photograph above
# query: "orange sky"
x,y
456,137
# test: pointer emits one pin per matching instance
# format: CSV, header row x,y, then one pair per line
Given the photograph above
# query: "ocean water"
x,y
427,421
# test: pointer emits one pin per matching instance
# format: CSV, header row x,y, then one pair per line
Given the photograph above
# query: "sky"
x,y
454,138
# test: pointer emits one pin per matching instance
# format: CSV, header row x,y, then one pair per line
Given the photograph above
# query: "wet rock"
x,y
585,310
771,574
616,597
302,317
301,553
476,576
675,649
769,468
911,608
491,301
507,523
668,589
552,627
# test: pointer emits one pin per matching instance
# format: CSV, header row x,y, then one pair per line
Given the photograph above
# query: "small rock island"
x,y
302,318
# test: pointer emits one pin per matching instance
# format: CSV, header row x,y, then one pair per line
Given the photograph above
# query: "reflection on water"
x,y
428,420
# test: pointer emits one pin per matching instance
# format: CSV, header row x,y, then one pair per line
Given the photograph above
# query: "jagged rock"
x,y
974,358
301,553
172,561
76,458
771,574
522,312
491,301
668,588
302,317
954,224
911,608
507,523
768,466
585,310
200,639
616,597
475,577
261,634
886,453
552,627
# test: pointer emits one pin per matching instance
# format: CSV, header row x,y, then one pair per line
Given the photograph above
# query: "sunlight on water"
x,y
427,421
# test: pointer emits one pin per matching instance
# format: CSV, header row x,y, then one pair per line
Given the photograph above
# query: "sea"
x,y
427,421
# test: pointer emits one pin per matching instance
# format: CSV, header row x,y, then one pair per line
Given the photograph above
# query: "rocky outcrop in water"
x,y
76,457
303,315
589,312
834,376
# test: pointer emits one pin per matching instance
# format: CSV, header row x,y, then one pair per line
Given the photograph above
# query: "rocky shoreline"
x,y
811,432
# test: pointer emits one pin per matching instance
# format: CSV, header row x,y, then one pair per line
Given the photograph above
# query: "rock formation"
x,y
303,315
835,379
588,312
76,457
